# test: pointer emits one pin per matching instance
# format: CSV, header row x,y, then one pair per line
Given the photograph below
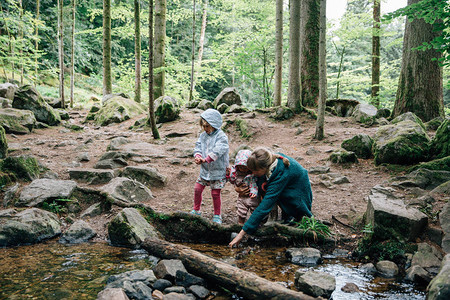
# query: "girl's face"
x,y
208,128
259,172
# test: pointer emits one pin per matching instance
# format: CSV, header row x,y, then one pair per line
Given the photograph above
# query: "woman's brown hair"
x,y
262,158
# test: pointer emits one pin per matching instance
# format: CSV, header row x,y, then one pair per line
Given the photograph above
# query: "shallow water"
x,y
53,271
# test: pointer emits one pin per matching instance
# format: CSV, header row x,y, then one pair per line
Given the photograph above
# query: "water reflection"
x,y
54,271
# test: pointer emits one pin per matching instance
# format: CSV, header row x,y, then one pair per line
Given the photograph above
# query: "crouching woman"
x,y
287,185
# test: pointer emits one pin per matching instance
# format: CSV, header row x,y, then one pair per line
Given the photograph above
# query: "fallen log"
x,y
242,282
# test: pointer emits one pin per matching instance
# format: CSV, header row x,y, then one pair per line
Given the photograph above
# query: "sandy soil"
x,y
59,149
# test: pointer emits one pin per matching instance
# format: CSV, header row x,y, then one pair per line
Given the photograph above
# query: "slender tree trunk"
x,y
201,42
294,96
278,52
151,53
160,36
21,41
137,51
376,54
107,79
420,88
265,95
72,54
191,89
9,43
309,51
36,46
61,51
322,71
341,65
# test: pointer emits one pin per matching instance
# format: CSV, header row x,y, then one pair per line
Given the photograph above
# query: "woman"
x,y
287,185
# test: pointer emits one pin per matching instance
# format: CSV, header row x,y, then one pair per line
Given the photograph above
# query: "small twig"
x,y
342,223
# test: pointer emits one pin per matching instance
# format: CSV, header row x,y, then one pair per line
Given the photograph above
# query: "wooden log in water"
x,y
242,282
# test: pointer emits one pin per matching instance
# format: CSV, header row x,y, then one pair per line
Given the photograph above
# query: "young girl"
x,y
211,152
287,185
240,175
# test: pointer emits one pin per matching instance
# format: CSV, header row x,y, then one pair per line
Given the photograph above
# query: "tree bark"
x,y
294,96
420,88
242,282
278,52
61,52
21,41
36,45
376,54
323,72
309,51
151,100
191,88
201,42
160,36
137,51
72,54
107,80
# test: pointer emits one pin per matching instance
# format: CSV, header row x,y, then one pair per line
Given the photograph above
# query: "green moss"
x,y
242,126
3,143
442,164
440,145
118,109
22,167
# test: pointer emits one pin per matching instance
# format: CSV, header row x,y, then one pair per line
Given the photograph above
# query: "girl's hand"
x,y
252,195
237,239
199,160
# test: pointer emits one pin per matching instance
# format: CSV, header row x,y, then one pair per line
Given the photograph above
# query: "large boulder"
x,y
27,97
403,143
167,109
17,121
43,190
315,283
3,143
205,104
440,145
439,287
129,228
146,175
118,109
391,218
123,191
408,116
78,232
341,107
364,113
21,167
228,96
27,227
7,90
360,144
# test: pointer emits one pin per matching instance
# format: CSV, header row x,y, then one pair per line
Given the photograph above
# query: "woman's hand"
x,y
237,239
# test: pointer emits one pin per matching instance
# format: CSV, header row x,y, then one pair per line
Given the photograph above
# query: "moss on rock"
x,y
440,145
118,109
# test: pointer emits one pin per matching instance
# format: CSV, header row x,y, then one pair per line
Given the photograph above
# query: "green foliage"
x,y
314,226
56,206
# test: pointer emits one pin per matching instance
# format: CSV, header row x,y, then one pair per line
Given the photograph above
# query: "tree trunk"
x,y
294,96
201,42
72,58
151,100
420,88
341,66
160,36
61,52
191,89
309,51
107,80
242,282
21,41
36,46
323,72
376,54
137,51
278,52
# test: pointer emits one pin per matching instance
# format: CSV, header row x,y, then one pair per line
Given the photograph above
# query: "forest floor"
x,y
59,149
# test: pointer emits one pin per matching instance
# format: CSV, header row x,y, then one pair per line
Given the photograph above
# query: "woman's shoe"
x,y
217,219
195,212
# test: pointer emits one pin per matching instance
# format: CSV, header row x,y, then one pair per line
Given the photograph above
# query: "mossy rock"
x,y
361,144
408,116
365,113
440,145
242,126
205,104
283,113
118,109
22,167
3,143
167,109
402,143
222,107
17,121
342,156
441,164
27,97
434,123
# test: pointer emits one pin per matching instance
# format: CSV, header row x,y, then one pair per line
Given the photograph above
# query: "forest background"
x,y
239,49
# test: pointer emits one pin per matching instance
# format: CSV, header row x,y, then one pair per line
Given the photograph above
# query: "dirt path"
x,y
59,149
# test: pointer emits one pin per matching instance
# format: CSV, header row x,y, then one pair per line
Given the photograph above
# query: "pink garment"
x,y
215,194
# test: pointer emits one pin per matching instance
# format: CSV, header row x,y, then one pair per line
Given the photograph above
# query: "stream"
x,y
51,270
